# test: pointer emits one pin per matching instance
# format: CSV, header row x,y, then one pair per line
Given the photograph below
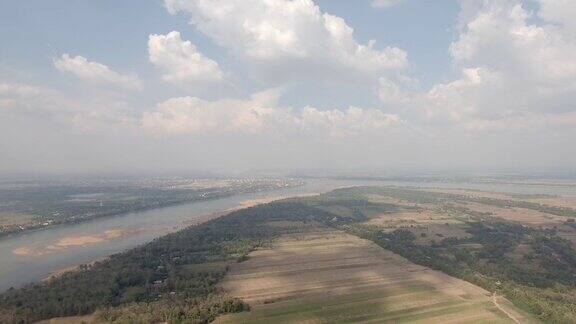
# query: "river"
x,y
35,255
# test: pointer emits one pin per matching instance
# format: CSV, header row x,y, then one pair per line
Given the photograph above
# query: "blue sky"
x,y
116,32
456,83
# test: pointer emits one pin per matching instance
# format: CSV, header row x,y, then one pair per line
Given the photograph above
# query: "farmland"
x,y
455,231
329,277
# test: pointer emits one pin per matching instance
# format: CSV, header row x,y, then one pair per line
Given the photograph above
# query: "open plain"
x,y
328,276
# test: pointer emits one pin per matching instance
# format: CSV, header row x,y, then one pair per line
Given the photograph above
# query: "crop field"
x,y
563,201
411,218
566,201
522,215
469,192
508,207
328,276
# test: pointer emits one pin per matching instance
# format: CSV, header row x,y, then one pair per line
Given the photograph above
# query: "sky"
x,y
233,85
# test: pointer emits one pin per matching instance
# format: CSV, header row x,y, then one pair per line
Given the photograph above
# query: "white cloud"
x,y
289,39
259,115
186,115
180,61
18,90
385,3
349,122
51,107
512,70
25,99
536,61
96,73
559,11
514,90
500,37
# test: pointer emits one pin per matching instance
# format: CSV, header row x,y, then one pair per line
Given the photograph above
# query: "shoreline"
x,y
59,273
39,228
249,203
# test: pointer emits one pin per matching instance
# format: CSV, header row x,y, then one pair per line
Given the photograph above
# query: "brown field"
x,y
332,277
411,218
395,201
387,200
522,215
560,201
427,225
467,192
563,201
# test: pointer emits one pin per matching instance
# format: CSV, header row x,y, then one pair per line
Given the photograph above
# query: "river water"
x,y
33,256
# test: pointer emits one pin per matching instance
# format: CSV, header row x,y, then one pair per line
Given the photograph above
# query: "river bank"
x,y
20,262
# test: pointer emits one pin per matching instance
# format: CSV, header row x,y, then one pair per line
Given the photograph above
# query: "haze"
x,y
183,85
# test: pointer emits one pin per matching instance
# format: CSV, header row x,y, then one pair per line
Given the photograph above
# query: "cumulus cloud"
x,y
180,61
49,106
514,89
96,73
186,115
385,3
24,98
499,36
289,38
535,62
559,11
258,115
46,130
18,90
513,70
348,122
